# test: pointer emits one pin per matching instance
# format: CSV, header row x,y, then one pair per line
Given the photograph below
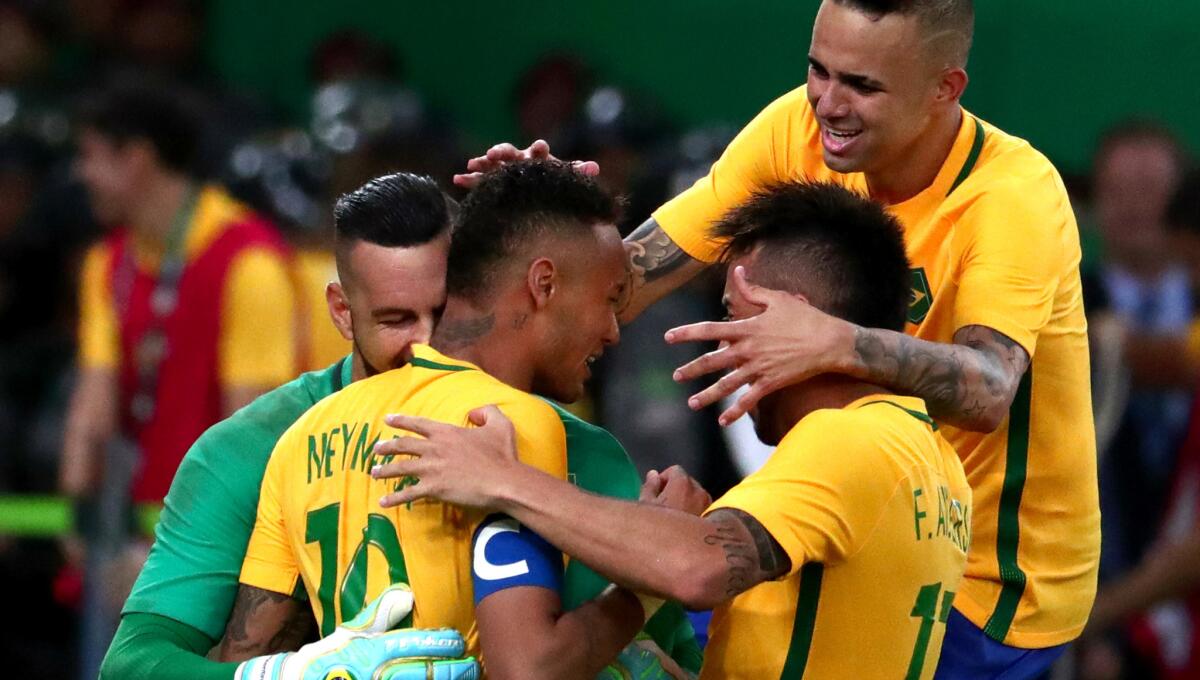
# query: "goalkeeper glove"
x,y
365,648
641,660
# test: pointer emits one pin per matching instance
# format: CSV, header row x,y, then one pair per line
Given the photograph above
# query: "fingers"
x,y
408,494
743,405
417,425
405,467
507,153
651,487
707,330
751,293
588,168
727,385
539,149
490,416
468,180
720,359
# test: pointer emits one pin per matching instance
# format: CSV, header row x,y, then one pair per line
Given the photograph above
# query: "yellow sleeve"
x,y
1016,248
257,347
821,492
757,156
541,438
98,339
270,563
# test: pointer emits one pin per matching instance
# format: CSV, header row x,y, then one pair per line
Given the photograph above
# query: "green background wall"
x,y
1054,71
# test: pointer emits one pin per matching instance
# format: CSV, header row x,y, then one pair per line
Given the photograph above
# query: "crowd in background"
x,y
1139,211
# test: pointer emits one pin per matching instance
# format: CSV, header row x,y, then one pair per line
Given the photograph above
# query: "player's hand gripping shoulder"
x,y
366,648
503,153
969,384
489,451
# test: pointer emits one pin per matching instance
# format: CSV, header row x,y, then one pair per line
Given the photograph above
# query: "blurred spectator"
x,y
25,52
350,55
548,97
1137,168
187,312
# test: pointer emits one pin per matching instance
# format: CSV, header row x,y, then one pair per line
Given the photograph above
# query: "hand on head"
x,y
789,341
504,152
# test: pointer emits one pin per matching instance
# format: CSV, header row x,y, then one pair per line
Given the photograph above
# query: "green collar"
x,y
919,415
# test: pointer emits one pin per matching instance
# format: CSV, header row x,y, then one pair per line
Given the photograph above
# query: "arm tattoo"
x,y
752,555
264,622
962,382
453,334
652,254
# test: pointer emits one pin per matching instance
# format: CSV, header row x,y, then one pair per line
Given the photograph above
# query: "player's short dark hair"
x,y
159,113
950,22
837,248
513,206
400,210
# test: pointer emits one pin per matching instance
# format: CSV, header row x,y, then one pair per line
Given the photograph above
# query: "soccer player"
x,y
853,535
535,276
995,340
392,237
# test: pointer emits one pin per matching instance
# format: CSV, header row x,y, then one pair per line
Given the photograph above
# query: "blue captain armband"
x,y
507,555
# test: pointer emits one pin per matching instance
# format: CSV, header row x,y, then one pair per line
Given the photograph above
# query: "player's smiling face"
x,y
583,316
389,299
872,85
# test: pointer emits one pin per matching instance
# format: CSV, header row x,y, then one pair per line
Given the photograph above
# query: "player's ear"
x,y
339,309
542,281
952,84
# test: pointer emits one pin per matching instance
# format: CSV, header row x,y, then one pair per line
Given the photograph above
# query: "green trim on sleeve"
x,y
806,621
1008,532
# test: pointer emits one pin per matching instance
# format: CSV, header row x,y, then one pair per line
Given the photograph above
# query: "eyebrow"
x,y
851,79
390,311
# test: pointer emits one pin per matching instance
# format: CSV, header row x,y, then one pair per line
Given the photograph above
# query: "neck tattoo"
x,y
458,333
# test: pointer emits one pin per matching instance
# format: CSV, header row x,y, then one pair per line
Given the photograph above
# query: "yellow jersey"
x,y
873,509
993,242
320,528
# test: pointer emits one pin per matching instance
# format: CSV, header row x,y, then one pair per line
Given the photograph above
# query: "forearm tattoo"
x,y
752,555
976,375
264,622
652,254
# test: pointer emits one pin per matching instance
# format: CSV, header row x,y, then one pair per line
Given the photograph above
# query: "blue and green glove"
x,y
366,648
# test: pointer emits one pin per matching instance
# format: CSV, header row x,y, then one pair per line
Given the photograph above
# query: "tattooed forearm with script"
x,y
264,622
657,266
752,555
968,384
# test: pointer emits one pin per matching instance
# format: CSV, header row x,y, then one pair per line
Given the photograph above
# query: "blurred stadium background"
x,y
304,100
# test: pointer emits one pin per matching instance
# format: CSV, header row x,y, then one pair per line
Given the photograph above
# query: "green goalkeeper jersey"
x,y
191,574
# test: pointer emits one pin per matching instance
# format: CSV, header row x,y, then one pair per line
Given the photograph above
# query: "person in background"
x,y
187,314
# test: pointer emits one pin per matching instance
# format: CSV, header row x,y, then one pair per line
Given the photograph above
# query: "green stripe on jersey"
x,y
805,623
972,157
1008,533
923,417
426,363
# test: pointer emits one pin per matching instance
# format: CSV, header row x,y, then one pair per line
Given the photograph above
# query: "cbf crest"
x,y
921,299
